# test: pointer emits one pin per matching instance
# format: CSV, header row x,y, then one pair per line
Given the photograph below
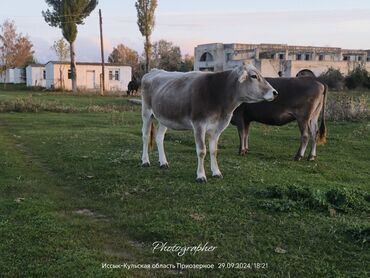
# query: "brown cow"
x,y
300,99
198,101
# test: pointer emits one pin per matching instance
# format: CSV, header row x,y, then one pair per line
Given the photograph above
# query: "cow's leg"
x,y
213,142
161,131
241,132
199,135
246,137
146,115
303,126
313,132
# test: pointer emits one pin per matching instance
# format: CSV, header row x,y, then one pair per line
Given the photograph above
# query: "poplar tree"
x,y
66,15
146,21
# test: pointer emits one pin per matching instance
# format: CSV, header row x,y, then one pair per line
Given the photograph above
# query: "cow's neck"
x,y
227,91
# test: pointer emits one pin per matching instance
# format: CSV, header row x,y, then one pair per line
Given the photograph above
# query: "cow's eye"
x,y
254,76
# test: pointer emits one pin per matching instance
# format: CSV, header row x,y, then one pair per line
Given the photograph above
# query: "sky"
x,y
187,23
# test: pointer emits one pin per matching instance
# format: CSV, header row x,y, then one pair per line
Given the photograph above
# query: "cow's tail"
x,y
323,130
151,136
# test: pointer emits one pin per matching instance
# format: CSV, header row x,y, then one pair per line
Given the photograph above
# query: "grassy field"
x,y
73,197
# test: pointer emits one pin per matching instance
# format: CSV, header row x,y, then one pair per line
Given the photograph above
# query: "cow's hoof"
x,y
243,152
201,180
164,166
218,176
145,165
311,158
298,158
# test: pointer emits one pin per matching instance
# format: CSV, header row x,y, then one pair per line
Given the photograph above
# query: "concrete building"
x,y
117,76
279,59
36,75
19,75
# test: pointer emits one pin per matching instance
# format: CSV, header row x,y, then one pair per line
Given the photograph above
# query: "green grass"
x,y
60,164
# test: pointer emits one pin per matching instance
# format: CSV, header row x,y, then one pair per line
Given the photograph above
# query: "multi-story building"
x,y
275,60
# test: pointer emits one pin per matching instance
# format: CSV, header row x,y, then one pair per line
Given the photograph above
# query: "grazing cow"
x,y
300,99
198,101
133,87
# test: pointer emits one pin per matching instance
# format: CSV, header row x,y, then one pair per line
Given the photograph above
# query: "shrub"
x,y
333,78
344,107
358,78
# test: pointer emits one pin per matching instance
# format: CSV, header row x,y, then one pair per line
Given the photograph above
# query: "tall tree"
x,y
61,50
166,55
66,15
146,21
124,55
15,49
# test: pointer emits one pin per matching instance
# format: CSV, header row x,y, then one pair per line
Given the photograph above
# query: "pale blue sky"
x,y
190,22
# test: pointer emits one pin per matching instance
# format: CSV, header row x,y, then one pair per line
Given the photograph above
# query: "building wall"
x,y
217,52
271,59
9,76
35,76
19,75
319,67
88,77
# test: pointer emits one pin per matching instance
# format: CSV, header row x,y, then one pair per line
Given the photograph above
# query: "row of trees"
x,y
163,55
16,49
66,15
359,77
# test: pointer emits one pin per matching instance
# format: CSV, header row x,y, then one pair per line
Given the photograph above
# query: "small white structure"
x,y
58,75
2,77
19,75
9,76
36,75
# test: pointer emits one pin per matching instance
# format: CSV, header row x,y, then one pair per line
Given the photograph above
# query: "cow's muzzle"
x,y
271,95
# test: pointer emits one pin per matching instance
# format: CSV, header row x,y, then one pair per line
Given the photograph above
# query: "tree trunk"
x,y
73,67
147,53
61,78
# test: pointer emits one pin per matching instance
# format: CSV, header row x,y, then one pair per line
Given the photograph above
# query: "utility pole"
x,y
102,78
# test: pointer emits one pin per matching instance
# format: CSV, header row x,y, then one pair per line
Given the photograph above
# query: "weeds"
x,y
293,197
30,104
342,107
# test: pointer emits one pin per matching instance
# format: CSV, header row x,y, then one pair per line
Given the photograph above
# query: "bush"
x,y
344,107
333,78
358,78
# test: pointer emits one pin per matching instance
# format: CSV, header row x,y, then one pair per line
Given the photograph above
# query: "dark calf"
x,y
300,99
133,87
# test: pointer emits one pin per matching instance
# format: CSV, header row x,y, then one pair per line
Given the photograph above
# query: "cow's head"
x,y
252,87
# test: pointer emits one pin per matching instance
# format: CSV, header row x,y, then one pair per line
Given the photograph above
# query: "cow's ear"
x,y
242,74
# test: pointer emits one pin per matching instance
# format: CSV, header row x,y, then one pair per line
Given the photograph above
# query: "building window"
x,y
368,59
299,56
359,58
114,75
321,57
69,74
44,74
345,58
307,57
206,57
281,56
